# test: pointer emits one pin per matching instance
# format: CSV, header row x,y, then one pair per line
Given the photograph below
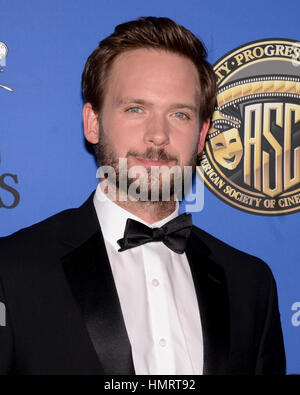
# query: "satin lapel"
x,y
212,294
89,275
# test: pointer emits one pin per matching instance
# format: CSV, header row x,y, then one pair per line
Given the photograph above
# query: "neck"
x,y
149,212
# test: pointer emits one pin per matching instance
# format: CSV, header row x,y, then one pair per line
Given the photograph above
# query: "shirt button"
x,y
163,342
155,282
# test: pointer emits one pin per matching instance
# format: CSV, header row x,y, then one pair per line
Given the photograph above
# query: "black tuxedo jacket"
x,y
63,314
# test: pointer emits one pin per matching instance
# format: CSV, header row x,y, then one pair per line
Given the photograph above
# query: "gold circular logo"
x,y
252,154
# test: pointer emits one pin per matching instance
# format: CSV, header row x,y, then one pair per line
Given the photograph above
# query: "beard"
x,y
107,156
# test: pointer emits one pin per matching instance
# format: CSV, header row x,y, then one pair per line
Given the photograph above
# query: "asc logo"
x,y
252,156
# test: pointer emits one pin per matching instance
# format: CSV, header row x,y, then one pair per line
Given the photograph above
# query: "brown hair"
x,y
148,32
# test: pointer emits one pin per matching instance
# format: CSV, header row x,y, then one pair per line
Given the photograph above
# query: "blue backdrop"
x,y
42,147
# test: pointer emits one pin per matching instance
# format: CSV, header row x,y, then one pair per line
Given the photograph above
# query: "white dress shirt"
x,y
157,297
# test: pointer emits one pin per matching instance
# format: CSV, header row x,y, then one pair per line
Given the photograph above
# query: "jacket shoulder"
x,y
231,259
29,240
53,236
48,226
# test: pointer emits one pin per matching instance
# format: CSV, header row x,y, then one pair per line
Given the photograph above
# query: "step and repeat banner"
x,y
251,163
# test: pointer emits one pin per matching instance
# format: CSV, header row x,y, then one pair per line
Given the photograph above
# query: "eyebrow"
x,y
128,100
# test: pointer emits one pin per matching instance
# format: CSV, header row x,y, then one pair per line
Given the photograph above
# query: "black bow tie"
x,y
174,234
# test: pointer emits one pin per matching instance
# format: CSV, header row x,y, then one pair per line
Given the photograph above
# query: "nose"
x,y
157,132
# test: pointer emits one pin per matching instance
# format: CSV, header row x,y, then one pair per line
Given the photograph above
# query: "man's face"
x,y
227,148
150,113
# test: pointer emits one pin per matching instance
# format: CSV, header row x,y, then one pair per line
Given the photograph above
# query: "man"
x,y
84,297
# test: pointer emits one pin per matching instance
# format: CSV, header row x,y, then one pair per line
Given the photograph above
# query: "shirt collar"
x,y
112,217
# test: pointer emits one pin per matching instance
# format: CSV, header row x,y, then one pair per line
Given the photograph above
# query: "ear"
x,y
90,124
203,134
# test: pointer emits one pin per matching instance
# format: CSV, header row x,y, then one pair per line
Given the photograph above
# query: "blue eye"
x,y
134,110
181,115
